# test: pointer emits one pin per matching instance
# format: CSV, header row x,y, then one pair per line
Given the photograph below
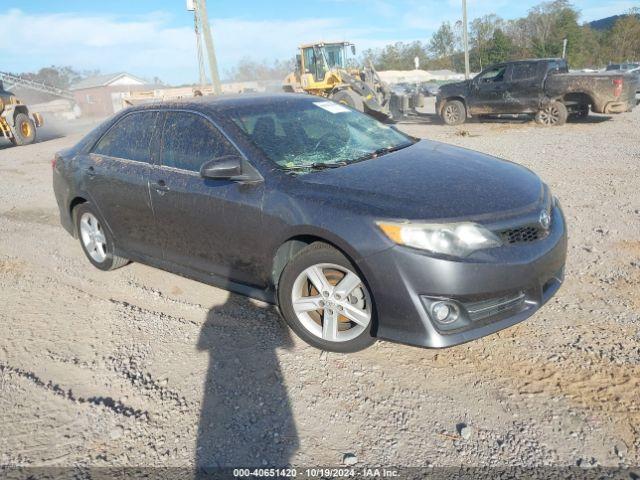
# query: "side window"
x,y
523,71
189,140
130,138
494,75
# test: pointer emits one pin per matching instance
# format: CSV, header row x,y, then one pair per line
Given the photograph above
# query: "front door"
x,y
117,180
489,89
211,226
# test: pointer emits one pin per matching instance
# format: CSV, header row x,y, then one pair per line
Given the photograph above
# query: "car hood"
x,y
455,87
427,181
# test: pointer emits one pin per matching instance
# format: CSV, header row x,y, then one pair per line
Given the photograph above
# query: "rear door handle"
x,y
91,172
161,187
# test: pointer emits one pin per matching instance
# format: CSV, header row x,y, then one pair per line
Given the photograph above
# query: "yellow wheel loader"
x,y
16,123
327,69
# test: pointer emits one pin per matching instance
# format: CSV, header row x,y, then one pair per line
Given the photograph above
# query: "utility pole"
x,y
465,39
202,21
196,27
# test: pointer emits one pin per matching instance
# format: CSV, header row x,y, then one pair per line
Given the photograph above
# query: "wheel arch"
x,y
77,200
451,98
576,98
295,243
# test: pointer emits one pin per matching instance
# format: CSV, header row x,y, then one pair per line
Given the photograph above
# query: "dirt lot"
x,y
142,367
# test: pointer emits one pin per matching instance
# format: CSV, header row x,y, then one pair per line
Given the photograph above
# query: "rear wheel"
x,y
454,112
349,98
24,130
553,114
581,111
95,240
326,301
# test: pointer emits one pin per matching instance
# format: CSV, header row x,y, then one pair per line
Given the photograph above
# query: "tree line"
x,y
540,34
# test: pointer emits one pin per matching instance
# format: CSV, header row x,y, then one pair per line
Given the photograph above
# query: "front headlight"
x,y
456,239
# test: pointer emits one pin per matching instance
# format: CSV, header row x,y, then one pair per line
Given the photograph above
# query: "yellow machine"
x,y
16,122
328,69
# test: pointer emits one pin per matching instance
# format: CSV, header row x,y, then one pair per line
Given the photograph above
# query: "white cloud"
x,y
150,47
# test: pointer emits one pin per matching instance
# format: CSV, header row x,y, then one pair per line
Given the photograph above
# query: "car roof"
x,y
221,103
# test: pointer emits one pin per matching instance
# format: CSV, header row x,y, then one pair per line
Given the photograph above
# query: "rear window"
x,y
524,71
130,138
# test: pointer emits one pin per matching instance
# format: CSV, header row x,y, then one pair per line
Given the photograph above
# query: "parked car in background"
x,y
355,230
542,87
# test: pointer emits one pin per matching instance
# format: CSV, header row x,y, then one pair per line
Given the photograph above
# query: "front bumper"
x,y
401,279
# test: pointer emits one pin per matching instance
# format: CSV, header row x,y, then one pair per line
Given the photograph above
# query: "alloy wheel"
x,y
452,114
549,115
331,302
93,237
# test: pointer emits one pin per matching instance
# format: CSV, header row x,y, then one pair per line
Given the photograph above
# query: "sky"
x,y
155,38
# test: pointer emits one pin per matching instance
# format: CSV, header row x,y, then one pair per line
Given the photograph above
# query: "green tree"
x,y
499,48
481,33
442,43
624,40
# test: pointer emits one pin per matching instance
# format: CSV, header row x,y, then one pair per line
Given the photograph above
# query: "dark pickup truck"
x,y
543,87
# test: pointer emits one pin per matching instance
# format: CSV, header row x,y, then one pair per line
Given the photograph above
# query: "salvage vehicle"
x,y
16,123
542,87
355,230
326,69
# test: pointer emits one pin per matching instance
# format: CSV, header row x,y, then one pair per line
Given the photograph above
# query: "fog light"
x,y
444,312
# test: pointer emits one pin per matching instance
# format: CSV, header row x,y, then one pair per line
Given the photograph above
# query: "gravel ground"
x,y
142,367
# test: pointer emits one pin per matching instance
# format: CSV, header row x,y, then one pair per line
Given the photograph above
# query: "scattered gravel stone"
x,y
620,449
349,459
464,430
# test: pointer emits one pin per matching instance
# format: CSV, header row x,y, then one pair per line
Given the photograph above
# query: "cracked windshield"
x,y
314,135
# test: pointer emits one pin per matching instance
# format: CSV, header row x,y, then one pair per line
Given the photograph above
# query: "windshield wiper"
x,y
315,166
381,151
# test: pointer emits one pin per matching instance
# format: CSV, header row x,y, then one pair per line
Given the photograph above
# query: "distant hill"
x,y
606,23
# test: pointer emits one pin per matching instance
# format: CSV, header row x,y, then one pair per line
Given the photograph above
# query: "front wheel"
x,y
24,131
454,113
349,98
552,115
325,300
95,240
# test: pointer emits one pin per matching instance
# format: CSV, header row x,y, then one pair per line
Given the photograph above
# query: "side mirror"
x,y
226,167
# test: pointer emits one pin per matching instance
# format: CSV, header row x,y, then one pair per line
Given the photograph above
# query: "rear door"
x,y
117,180
488,89
524,86
212,226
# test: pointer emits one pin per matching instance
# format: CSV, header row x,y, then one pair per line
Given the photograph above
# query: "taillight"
x,y
617,86
53,162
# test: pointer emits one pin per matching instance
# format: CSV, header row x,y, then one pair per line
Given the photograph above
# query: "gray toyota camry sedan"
x,y
356,231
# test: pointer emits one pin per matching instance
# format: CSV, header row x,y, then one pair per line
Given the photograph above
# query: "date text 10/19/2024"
x,y
315,473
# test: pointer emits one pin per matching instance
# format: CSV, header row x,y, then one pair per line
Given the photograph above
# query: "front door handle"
x,y
91,172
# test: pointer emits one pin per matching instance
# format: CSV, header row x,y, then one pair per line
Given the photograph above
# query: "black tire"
x,y
453,113
552,115
24,130
111,261
314,254
349,98
581,111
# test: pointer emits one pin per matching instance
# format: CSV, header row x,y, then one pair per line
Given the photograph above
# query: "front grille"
x,y
493,306
523,235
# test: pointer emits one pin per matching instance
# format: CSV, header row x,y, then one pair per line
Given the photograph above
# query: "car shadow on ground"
x,y
246,418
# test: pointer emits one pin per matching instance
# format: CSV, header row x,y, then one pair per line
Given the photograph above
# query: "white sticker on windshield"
x,y
331,107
